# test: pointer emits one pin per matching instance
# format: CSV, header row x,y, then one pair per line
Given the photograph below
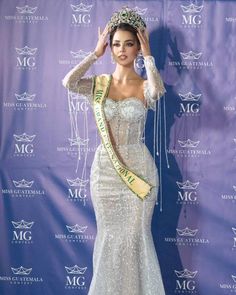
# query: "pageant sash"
x,y
135,183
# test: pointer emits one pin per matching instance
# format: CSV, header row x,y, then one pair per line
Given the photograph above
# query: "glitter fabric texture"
x,y
124,258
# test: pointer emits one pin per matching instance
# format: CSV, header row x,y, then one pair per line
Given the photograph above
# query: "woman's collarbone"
x,y
116,93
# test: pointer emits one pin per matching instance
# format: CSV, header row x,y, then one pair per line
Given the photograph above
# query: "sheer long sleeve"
x,y
153,87
73,79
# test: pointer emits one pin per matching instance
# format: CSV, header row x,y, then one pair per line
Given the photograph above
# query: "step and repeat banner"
x,y
48,139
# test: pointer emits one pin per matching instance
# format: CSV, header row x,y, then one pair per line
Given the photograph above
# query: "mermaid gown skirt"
x,y
124,258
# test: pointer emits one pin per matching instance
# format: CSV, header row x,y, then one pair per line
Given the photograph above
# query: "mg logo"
x,y
81,14
26,57
187,192
78,105
81,19
22,235
75,281
76,194
234,238
189,101
185,285
76,278
24,144
191,16
77,189
24,148
22,232
189,108
191,19
187,196
26,61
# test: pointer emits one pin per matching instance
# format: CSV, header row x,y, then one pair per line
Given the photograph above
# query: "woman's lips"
x,y
123,57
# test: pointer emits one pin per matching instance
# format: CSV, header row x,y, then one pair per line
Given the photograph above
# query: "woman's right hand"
x,y
102,42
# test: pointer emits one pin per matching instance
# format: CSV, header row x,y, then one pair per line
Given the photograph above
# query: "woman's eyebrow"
x,y
124,41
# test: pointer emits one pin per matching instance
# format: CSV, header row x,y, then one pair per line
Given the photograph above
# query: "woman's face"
x,y
124,47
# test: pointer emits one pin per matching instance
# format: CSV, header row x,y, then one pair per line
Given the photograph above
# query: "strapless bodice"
x,y
125,119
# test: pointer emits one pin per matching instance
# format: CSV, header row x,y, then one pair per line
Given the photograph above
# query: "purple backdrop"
x,y
47,222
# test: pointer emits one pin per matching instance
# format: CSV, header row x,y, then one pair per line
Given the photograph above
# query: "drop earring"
x,y
138,61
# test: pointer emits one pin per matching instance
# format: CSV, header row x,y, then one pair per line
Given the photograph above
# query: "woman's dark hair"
x,y
124,27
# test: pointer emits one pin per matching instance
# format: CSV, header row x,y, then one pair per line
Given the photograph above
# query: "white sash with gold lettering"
x,y
135,183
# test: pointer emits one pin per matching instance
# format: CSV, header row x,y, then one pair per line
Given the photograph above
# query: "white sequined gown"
x,y
124,258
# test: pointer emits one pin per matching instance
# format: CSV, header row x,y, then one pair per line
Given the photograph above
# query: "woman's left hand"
x,y
144,42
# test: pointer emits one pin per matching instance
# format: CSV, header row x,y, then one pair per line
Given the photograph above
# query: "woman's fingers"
x,y
103,35
99,32
143,35
103,32
144,42
102,42
146,34
141,38
106,29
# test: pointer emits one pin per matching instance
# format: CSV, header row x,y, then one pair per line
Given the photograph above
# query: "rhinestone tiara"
x,y
128,16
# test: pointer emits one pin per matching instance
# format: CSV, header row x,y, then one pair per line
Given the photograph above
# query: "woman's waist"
x,y
134,156
127,152
124,146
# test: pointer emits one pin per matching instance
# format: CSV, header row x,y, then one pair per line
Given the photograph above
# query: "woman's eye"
x,y
130,44
116,44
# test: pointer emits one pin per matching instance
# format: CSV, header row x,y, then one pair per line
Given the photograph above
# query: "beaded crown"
x,y
128,16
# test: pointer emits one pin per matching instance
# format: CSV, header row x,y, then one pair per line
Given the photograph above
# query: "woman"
x,y
124,258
